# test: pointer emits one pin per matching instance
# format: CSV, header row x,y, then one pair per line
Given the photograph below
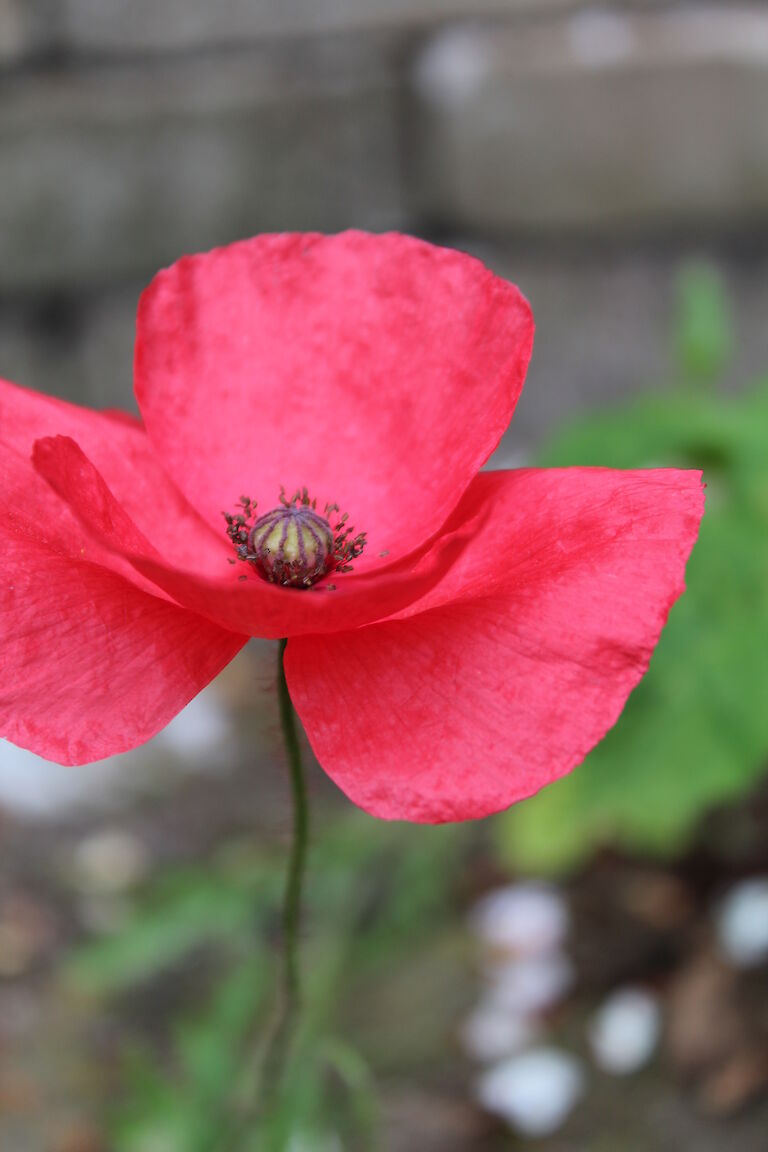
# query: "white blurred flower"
x,y
534,1092
625,1031
742,923
522,919
530,986
490,1034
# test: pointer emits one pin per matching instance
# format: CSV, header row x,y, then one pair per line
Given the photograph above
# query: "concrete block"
x,y
173,24
598,122
22,29
604,324
79,347
109,172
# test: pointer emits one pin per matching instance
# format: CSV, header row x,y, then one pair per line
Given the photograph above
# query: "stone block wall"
x,y
83,26
583,150
110,169
603,121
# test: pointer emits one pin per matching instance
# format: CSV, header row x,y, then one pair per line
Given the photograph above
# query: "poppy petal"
x,y
379,371
30,508
238,601
121,450
92,666
522,659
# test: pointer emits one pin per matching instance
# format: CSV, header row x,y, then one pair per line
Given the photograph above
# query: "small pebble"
x,y
17,950
109,861
78,1137
732,1086
522,919
489,1034
625,1031
26,934
742,923
534,1092
21,1013
530,986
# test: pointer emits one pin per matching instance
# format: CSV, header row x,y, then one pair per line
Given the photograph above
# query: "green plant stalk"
x,y
290,987
265,1085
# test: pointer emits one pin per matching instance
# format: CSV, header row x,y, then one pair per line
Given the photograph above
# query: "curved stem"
x,y
290,991
265,1078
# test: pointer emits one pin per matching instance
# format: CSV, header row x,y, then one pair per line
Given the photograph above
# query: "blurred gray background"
x,y
583,151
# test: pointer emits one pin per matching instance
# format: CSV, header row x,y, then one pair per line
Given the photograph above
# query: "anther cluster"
x,y
293,544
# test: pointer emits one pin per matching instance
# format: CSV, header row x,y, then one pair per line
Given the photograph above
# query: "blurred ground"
x,y
634,923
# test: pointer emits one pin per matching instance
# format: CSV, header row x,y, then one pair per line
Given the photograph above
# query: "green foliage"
x,y
190,908
703,328
695,731
368,897
328,1103
181,1109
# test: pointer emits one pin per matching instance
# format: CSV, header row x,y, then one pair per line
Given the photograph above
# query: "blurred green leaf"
x,y
362,1112
181,1108
301,1114
209,1045
156,1117
695,731
183,911
703,336
365,896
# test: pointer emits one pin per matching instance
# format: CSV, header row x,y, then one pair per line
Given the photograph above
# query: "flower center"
x,y
293,544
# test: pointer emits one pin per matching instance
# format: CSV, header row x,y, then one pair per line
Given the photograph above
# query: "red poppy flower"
x,y
490,629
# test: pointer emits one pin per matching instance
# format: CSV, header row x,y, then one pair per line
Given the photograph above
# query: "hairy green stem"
x,y
264,1081
290,989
